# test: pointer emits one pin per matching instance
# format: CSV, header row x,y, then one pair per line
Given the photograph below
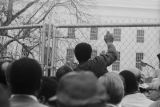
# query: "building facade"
x,y
133,43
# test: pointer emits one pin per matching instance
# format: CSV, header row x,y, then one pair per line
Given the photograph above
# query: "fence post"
x,y
44,34
54,49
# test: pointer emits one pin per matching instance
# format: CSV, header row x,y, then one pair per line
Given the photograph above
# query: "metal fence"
x,y
134,42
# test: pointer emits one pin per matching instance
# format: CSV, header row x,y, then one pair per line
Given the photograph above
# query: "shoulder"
x,y
155,104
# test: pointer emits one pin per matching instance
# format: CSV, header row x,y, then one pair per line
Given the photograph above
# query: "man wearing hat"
x,y
80,89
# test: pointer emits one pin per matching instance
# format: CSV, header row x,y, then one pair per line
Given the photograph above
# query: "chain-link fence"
x,y
133,44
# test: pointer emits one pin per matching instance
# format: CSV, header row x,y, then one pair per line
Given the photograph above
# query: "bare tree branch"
x,y
72,5
20,12
23,45
49,10
10,10
30,20
37,11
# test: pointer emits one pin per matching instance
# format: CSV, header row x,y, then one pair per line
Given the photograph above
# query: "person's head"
x,y
4,97
137,74
48,89
83,52
62,71
114,87
24,76
80,89
129,81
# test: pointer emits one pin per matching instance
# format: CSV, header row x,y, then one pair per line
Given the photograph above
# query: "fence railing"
x,y
134,42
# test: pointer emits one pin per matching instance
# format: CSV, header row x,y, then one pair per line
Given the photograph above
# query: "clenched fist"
x,y
108,38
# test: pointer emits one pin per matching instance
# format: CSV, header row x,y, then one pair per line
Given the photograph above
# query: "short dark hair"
x,y
48,88
83,52
24,76
130,82
62,71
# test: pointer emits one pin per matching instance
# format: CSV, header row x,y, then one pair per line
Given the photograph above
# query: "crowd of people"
x,y
89,84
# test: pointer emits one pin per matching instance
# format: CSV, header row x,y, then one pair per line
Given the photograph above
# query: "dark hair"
x,y
83,52
2,75
129,81
48,88
62,71
24,76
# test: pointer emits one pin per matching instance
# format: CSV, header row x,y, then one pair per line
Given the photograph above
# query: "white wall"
x,y
122,11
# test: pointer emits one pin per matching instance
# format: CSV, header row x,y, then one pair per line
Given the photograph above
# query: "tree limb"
x,y
31,18
37,11
12,40
49,10
20,12
10,10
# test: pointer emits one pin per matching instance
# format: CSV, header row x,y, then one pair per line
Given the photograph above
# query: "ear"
x,y
42,99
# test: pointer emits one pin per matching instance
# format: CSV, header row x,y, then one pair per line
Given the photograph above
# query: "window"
x,y
140,36
94,54
70,55
117,34
116,65
71,32
94,33
139,57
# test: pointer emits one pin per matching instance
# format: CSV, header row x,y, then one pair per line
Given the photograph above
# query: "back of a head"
x,y
83,52
62,71
137,73
130,82
114,87
78,89
4,97
24,76
48,89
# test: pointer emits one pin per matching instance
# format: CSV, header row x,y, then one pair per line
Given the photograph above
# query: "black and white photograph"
x,y
79,53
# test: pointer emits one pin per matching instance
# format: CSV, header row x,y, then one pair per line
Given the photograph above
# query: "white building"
x,y
133,44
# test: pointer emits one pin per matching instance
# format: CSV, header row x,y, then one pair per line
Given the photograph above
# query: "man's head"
x,y
83,52
129,81
137,74
62,71
24,76
48,89
114,87
79,89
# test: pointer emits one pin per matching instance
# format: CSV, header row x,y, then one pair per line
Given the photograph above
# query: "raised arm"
x,y
111,56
